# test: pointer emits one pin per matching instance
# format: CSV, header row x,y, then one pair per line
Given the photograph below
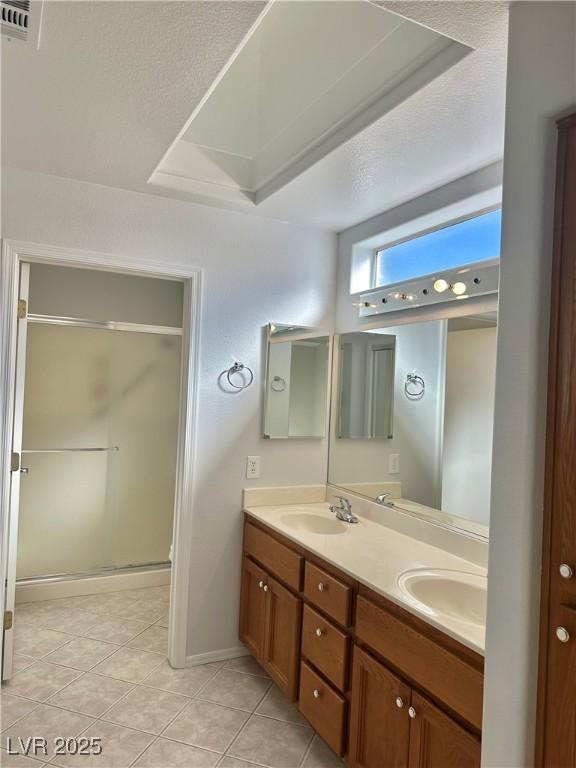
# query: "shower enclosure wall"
x,y
101,405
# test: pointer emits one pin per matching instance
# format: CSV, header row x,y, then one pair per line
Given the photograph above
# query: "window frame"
x,y
421,233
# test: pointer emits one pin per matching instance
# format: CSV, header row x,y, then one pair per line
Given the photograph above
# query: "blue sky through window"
x,y
467,242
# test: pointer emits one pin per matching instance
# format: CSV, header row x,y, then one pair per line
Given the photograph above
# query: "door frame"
x,y
13,254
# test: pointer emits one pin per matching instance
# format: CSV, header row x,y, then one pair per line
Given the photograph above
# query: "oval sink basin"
x,y
304,521
455,594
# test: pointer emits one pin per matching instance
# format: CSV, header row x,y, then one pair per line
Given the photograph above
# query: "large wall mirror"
x,y
412,416
297,379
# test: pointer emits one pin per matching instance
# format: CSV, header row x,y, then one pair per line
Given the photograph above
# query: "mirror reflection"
x,y
296,390
413,412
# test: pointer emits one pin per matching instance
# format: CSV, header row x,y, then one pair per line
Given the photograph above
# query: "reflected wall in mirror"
x,y
297,378
366,386
437,460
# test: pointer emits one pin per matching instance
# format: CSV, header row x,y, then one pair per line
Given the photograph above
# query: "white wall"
x,y
468,423
541,86
255,271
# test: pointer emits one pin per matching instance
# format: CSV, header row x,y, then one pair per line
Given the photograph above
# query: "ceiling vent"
x,y
20,20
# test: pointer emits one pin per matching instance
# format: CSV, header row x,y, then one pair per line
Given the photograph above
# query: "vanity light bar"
x,y
450,285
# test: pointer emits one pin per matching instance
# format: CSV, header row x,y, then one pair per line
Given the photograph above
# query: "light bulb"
x,y
458,288
440,285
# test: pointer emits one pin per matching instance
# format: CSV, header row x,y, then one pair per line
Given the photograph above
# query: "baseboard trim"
x,y
223,655
51,590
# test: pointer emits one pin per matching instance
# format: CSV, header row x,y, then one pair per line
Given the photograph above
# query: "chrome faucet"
x,y
344,510
382,499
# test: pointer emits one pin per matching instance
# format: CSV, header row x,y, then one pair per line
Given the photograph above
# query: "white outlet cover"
x,y
252,467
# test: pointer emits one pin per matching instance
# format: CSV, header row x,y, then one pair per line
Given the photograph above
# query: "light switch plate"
x,y
394,464
252,467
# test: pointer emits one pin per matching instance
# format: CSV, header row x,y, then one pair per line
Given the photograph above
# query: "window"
x,y
468,242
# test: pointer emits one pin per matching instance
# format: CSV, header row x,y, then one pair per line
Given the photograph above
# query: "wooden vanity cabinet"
x,y
381,686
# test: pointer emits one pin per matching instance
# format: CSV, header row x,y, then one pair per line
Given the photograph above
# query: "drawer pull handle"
x,y
562,634
319,632
399,702
316,693
321,587
265,587
412,712
260,584
566,571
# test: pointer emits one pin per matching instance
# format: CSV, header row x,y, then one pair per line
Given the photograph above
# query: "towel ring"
x,y
238,368
414,386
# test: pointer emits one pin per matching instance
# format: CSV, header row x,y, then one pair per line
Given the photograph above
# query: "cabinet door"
x,y
282,637
379,721
253,608
437,741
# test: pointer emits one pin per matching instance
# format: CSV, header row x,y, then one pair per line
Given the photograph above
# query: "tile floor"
x,y
96,666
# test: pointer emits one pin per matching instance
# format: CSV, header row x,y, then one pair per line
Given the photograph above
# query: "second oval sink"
x,y
456,594
304,521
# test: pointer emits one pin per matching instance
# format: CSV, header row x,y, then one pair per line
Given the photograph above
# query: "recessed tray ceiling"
x,y
308,77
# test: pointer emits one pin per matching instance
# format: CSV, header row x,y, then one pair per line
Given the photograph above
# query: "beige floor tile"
x,y
30,640
233,762
91,694
115,630
48,723
12,708
82,653
17,761
164,618
147,709
235,689
207,725
40,681
120,748
169,754
247,664
321,756
272,743
276,705
141,610
42,606
20,662
69,620
152,639
106,603
186,681
129,664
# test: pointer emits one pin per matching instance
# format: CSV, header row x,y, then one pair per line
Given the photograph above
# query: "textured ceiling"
x,y
114,82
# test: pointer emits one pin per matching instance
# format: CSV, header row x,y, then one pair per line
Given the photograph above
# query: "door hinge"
x,y
22,309
15,462
8,619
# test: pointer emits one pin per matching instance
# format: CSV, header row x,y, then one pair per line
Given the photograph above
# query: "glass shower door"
x,y
99,442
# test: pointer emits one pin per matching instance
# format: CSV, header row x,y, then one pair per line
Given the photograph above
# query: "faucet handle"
x,y
345,504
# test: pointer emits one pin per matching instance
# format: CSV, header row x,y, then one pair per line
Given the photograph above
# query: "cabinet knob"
x,y
265,587
412,712
316,693
319,632
566,571
399,702
321,587
260,584
562,634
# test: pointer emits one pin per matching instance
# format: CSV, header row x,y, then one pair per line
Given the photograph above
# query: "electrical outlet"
x,y
252,467
394,464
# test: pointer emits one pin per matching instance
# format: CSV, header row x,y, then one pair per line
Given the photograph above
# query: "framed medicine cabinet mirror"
x,y
412,417
296,382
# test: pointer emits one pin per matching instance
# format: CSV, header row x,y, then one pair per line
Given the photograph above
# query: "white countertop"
x,y
376,556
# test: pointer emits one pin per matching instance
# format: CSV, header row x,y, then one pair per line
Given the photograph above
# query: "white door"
x,y
16,474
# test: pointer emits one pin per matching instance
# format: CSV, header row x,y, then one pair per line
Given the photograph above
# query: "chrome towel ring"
x,y
239,368
414,386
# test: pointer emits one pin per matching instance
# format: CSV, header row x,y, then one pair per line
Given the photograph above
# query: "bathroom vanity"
x,y
326,611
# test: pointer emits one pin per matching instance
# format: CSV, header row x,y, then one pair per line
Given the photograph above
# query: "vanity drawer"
x,y
436,669
324,709
325,646
328,593
274,556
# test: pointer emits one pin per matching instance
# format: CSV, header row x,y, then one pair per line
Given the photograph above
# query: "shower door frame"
x,y
14,254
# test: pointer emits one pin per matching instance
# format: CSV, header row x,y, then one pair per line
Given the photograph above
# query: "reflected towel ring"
x,y
278,384
238,368
414,386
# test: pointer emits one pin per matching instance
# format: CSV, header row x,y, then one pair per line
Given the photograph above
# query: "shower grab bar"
x,y
69,450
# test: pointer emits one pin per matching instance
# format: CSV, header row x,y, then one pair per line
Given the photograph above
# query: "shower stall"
x,y
101,397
